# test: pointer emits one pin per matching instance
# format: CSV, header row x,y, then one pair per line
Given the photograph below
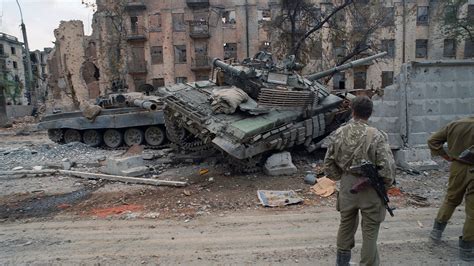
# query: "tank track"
x,y
246,166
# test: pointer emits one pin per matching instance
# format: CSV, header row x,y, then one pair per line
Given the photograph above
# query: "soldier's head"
x,y
362,107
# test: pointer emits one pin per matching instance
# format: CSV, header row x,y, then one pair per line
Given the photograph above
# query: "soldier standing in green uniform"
x,y
460,136
350,145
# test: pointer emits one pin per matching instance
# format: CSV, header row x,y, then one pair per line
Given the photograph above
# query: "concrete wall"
x,y
14,111
426,96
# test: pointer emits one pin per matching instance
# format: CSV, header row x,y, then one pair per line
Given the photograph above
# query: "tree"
x,y
3,107
455,23
300,20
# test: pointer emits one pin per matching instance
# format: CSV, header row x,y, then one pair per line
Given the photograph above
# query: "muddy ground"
x,y
216,196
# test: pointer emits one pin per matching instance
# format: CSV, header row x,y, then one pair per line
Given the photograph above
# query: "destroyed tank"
x,y
283,109
124,118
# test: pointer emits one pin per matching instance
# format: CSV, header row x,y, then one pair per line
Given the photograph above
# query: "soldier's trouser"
x,y
460,184
372,212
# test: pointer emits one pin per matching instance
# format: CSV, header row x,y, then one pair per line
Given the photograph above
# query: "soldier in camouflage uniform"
x,y
460,136
350,145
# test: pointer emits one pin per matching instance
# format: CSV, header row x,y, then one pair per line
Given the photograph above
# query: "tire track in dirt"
x,y
258,237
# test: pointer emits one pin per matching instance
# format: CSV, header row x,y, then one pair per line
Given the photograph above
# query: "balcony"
x,y
198,29
137,68
136,33
201,62
135,5
197,3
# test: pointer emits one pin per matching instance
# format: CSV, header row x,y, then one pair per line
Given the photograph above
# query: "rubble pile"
x,y
50,156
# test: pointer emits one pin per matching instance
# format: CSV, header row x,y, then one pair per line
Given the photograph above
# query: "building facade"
x,y
39,66
145,42
12,70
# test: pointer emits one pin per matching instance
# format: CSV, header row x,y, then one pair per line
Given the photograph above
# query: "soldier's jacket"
x,y
459,135
354,142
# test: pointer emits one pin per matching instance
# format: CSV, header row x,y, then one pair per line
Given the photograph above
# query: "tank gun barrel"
x,y
343,67
228,68
149,105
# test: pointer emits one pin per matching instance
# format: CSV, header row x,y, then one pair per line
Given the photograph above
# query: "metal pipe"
x,y
145,104
344,66
29,79
247,27
228,68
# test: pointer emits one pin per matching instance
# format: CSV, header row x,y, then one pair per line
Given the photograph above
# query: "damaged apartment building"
x,y
140,42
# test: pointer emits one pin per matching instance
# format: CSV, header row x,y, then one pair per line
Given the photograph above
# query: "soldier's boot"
x,y
466,249
437,231
343,257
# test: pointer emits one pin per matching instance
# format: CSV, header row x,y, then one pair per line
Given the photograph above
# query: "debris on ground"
x,y
132,180
325,187
106,212
126,166
280,164
273,198
310,179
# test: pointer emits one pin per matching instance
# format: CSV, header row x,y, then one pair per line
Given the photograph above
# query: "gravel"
x,y
50,154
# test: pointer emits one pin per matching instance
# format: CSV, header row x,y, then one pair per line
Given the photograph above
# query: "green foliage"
x,y
456,24
12,87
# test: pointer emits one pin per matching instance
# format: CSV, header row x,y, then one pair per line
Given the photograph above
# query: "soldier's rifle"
x,y
373,179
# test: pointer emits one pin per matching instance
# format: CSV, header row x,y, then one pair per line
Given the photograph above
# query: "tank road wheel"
x,y
92,137
133,136
154,136
72,135
55,135
113,138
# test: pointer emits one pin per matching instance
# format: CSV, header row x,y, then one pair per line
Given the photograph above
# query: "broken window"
x,y
134,24
450,12
316,50
339,48
421,49
422,17
178,22
469,49
389,16
181,79
230,51
15,65
360,78
138,83
200,54
3,66
387,78
155,22
470,12
389,47
158,82
156,55
264,16
339,81
180,54
449,48
228,17
13,50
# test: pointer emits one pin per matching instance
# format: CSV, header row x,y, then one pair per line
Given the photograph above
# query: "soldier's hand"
x,y
447,158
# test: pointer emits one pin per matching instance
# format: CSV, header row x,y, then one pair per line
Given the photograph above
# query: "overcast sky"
x,y
41,17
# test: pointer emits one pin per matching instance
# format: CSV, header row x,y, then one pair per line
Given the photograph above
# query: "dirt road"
x,y
265,237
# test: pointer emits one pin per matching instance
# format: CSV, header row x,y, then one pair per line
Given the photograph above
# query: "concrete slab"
x,y
419,159
280,164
